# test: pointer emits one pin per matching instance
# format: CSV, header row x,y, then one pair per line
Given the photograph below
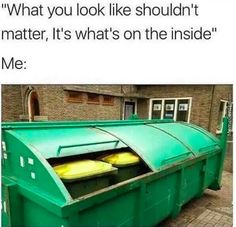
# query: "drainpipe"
x,y
211,107
121,103
22,99
223,143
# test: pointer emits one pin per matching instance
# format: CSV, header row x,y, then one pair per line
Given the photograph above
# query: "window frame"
x,y
93,102
135,107
111,103
175,108
75,100
223,115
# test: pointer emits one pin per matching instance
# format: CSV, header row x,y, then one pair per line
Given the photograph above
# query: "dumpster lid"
x,y
156,143
159,144
197,139
62,142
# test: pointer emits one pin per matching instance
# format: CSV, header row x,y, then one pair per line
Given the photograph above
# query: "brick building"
x,y
204,105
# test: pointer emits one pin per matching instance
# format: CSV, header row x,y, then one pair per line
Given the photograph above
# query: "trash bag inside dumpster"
x,y
87,173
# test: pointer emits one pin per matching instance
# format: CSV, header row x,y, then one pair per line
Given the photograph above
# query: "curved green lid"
x,y
157,143
61,142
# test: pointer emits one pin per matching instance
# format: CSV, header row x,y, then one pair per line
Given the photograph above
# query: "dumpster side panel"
x,y
121,210
193,178
26,164
160,199
37,216
212,171
11,203
154,199
5,206
146,202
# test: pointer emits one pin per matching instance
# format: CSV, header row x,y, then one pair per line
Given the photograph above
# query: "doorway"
x,y
129,109
33,105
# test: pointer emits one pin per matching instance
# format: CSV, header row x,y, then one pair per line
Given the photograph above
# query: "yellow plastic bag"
x,y
121,159
83,169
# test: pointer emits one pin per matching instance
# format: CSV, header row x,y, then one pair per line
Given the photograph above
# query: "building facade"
x,y
204,105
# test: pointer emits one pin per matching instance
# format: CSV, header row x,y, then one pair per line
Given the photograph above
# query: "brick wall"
x,y
53,102
143,108
221,92
11,102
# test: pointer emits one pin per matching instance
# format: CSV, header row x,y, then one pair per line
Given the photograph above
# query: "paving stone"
x,y
208,225
191,225
218,225
217,217
227,225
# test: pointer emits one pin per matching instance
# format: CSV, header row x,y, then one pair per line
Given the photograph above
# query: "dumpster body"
x,y
179,162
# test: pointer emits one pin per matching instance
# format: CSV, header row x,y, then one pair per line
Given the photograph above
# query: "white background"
x,y
126,61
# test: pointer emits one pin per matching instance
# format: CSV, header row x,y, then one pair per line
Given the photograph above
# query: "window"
x,y
170,108
182,110
156,109
93,98
108,100
225,109
75,96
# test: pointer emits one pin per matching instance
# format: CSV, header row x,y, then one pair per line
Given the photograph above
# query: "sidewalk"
x,y
214,208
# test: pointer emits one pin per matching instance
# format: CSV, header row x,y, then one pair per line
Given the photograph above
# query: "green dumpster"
x,y
179,161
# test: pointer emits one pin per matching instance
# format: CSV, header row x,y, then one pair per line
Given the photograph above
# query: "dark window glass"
x,y
156,109
75,96
108,100
93,98
169,108
221,115
182,110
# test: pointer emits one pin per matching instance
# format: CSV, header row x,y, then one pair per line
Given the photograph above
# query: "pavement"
x,y
213,209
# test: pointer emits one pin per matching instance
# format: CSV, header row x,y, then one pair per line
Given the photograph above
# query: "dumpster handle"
x,y
209,148
84,144
177,156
